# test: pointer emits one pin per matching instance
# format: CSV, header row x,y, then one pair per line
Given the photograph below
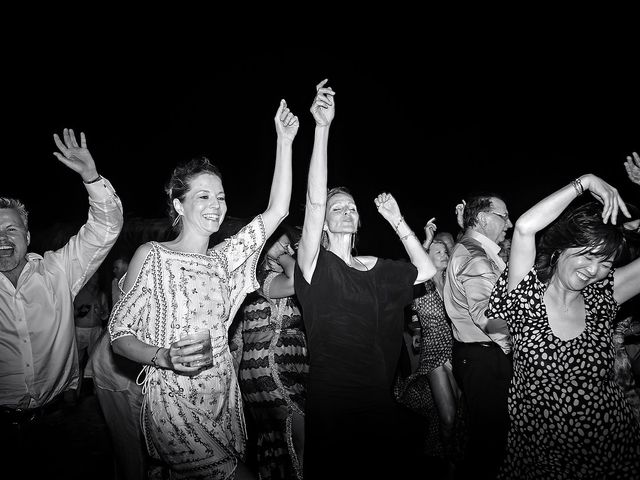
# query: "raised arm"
x,y
323,111
388,208
626,282
523,246
429,232
81,256
632,165
280,197
282,284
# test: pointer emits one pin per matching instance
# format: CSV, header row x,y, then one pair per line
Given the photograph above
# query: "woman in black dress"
x,y
353,316
568,417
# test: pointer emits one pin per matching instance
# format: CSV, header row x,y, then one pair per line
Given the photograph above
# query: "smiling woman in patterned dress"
x,y
192,416
569,418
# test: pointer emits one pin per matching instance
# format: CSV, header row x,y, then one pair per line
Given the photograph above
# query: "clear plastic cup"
x,y
204,338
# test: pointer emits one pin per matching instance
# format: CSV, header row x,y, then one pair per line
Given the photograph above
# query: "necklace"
x,y
363,265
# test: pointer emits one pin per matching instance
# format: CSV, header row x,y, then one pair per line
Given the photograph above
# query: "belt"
x,y
24,416
477,344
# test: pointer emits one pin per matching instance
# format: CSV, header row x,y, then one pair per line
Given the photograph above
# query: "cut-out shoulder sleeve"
x,y
133,305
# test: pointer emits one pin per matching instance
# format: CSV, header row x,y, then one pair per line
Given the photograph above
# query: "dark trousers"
x,y
35,444
483,372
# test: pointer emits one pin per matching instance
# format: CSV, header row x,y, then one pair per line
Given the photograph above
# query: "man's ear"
x,y
28,238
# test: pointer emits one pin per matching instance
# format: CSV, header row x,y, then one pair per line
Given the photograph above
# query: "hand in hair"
x,y
607,195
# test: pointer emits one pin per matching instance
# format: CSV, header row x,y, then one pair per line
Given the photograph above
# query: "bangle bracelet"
x,y
410,234
577,184
155,357
99,177
398,224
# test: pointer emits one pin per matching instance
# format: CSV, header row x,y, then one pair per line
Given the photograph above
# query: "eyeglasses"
x,y
503,216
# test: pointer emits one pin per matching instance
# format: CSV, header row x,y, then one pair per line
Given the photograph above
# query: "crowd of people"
x,y
277,353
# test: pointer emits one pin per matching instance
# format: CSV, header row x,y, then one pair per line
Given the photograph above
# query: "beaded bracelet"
x,y
398,224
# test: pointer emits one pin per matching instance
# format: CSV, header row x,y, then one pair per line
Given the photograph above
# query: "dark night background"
x,y
428,124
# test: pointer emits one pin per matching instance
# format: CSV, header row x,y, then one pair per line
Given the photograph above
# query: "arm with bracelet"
x,y
388,208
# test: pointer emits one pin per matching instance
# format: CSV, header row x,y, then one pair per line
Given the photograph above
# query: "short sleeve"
x,y
133,306
244,245
265,282
241,253
601,294
510,305
395,279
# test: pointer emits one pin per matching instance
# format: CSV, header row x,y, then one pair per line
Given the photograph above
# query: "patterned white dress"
x,y
193,423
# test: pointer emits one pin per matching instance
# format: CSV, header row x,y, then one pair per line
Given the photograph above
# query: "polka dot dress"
x,y
569,418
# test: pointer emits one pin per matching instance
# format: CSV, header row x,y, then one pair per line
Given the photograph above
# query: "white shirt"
x,y
38,354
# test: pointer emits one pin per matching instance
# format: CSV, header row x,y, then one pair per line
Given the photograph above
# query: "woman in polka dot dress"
x,y
569,418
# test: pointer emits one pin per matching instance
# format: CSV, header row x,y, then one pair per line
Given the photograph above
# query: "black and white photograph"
x,y
388,259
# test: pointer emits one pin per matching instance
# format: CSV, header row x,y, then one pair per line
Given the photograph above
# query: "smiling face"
x,y
14,240
576,270
438,255
204,206
341,215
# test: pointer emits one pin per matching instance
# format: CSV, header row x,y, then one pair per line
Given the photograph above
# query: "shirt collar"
x,y
491,247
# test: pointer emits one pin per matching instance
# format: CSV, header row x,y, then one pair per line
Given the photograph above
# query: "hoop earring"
x,y
177,219
554,258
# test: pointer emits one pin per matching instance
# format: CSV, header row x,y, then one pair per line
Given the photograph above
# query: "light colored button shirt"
x,y
472,272
38,354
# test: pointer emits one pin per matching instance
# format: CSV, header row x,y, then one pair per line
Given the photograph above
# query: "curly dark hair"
x,y
180,182
579,226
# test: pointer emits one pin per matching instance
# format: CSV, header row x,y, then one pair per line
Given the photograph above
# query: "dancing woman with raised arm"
x,y
353,316
192,410
568,416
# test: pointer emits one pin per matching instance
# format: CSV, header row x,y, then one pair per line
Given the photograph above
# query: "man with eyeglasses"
x,y
482,346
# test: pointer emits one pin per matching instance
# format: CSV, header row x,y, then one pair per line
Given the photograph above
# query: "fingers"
x,y
83,140
59,144
72,139
381,199
322,84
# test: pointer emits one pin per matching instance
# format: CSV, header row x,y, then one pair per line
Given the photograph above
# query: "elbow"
x,y
116,345
524,227
425,273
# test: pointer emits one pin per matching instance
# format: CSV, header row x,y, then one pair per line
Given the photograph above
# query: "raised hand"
x,y
460,213
607,195
429,231
286,122
388,207
323,108
74,156
632,166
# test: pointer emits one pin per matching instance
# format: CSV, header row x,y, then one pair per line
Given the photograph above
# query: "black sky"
x,y
426,123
